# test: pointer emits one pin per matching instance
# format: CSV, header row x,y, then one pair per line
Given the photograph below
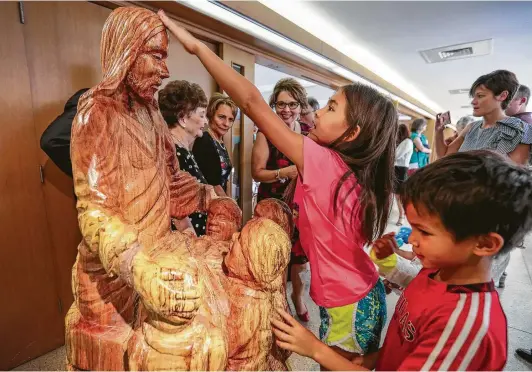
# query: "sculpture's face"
x,y
235,262
221,227
149,69
224,219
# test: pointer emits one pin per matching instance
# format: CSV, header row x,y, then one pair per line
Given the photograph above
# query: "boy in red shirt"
x,y
464,209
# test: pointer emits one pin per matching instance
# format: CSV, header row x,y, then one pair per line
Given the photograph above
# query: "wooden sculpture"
x,y
277,211
126,179
255,266
147,298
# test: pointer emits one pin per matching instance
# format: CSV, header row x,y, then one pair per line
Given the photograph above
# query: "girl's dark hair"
x,y
418,124
370,156
178,99
402,133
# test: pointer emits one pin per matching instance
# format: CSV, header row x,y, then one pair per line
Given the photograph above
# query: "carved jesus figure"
x,y
128,187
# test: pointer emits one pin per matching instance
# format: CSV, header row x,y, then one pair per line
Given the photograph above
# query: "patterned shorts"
x,y
357,327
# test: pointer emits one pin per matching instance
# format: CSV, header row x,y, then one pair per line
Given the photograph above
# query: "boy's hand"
x,y
385,246
293,336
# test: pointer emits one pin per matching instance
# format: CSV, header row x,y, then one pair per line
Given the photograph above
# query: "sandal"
x,y
304,317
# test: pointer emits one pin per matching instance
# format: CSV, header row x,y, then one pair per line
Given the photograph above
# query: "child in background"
x,y
342,197
464,210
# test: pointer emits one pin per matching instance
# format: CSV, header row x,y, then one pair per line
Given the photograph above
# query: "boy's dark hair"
x,y
475,193
498,81
178,99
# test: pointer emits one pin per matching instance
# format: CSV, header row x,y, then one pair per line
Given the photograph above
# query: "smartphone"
x,y
446,118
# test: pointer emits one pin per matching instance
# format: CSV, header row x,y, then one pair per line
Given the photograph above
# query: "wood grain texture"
x,y
147,298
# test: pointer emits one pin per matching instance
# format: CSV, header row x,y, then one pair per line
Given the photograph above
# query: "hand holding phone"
x,y
442,120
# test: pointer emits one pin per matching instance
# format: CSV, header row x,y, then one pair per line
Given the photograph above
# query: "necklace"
x,y
189,153
179,142
214,137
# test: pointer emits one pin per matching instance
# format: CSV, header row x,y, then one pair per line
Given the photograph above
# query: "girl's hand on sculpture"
x,y
190,43
293,336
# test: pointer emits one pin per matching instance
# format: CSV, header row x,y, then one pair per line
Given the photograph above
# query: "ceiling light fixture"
x,y
220,12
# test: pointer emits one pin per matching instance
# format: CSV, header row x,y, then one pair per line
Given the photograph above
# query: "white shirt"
x,y
403,153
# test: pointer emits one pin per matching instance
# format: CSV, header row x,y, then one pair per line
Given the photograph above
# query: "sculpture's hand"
x,y
168,285
188,196
190,43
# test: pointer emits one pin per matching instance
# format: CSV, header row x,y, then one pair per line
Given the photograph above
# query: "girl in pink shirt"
x,y
342,197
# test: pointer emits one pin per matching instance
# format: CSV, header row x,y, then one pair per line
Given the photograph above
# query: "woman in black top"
x,y
209,150
183,106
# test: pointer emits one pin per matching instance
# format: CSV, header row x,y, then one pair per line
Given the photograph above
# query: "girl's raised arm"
x,y
244,94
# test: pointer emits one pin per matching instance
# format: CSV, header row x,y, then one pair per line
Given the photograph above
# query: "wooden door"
x,y
30,318
63,52
240,139
184,66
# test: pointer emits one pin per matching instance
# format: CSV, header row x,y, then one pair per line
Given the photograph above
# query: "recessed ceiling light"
x,y
458,51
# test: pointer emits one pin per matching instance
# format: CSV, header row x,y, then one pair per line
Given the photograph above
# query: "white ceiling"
x,y
395,32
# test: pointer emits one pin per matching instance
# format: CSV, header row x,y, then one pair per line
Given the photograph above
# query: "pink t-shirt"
x,y
341,272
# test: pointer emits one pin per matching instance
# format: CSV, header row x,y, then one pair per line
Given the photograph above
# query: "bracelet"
x,y
278,176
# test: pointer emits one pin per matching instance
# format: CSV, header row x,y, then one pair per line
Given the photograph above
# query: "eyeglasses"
x,y
291,105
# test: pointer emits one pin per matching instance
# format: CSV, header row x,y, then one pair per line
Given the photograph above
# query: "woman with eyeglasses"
x,y
274,171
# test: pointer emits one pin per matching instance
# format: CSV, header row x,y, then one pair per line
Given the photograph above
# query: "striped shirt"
x,y
437,326
502,138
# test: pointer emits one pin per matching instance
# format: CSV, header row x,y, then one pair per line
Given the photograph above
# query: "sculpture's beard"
x,y
143,87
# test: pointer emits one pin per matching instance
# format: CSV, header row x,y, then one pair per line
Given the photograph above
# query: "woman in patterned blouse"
x,y
209,150
491,95
183,106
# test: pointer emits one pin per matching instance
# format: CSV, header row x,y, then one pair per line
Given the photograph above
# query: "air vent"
x,y
459,91
458,51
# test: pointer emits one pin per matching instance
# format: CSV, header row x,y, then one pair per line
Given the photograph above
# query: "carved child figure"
x,y
277,211
280,213
224,219
255,265
187,337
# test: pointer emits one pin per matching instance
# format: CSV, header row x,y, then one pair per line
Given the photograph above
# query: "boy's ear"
x,y
489,244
